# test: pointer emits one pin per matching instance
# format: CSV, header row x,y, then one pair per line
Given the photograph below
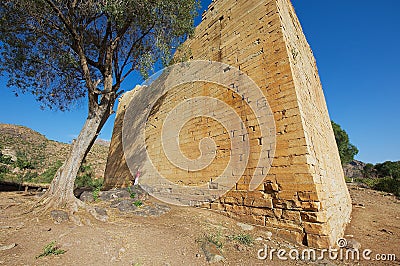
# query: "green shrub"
x,y
347,151
138,203
388,184
96,193
4,169
370,182
23,162
30,176
48,175
348,179
85,178
216,239
51,249
132,194
244,239
5,159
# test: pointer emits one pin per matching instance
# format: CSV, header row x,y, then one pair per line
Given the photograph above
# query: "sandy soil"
x,y
176,238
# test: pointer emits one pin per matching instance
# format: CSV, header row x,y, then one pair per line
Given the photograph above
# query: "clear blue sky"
x,y
357,47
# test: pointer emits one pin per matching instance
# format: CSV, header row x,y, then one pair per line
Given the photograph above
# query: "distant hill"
x,y
19,141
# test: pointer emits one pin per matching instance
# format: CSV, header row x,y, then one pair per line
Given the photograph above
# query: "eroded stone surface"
x,y
303,197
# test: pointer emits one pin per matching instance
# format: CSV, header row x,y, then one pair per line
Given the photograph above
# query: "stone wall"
x,y
304,196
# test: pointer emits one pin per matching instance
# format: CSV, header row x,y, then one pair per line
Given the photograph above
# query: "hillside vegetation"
x,y
26,155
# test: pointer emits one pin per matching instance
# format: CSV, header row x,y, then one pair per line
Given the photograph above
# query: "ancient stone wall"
x,y
304,196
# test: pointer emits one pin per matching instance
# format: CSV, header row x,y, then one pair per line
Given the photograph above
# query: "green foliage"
x,y
50,47
183,54
23,162
244,239
388,169
132,194
383,176
138,203
369,171
216,239
86,178
348,179
347,151
388,184
48,175
51,249
30,176
4,169
5,159
370,182
96,193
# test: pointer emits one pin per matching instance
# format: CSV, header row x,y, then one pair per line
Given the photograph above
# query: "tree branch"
x,y
77,47
103,44
133,46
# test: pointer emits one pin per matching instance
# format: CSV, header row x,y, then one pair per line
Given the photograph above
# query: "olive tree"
x,y
63,51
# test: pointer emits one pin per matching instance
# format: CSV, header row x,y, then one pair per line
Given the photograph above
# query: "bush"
x,y
51,249
348,179
30,176
388,169
23,162
388,184
48,175
5,159
86,178
4,169
244,239
370,182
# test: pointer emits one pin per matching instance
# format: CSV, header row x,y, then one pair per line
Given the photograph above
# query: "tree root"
x,y
47,203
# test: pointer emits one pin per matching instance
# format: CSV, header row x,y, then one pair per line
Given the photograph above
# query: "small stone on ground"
x,y
246,227
59,216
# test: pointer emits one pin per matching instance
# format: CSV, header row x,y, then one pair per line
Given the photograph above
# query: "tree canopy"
x,y
61,50
347,151
382,170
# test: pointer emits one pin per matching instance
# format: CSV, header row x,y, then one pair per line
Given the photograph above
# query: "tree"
x,y
347,151
388,169
369,171
63,51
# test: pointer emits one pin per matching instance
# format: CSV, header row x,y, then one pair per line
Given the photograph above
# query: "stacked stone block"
x,y
304,196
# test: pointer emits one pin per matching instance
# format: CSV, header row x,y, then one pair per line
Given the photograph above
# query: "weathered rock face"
x,y
354,169
304,196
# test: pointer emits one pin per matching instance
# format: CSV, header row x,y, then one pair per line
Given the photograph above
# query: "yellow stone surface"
x,y
304,195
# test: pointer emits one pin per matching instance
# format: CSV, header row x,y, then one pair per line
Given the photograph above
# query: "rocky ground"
x,y
152,233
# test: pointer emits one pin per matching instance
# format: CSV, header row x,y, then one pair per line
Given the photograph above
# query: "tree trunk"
x,y
60,193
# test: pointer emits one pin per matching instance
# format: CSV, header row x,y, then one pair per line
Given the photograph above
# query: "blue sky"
x,y
357,47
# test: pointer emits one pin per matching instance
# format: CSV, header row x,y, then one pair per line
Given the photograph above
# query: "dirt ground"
x,y
176,237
